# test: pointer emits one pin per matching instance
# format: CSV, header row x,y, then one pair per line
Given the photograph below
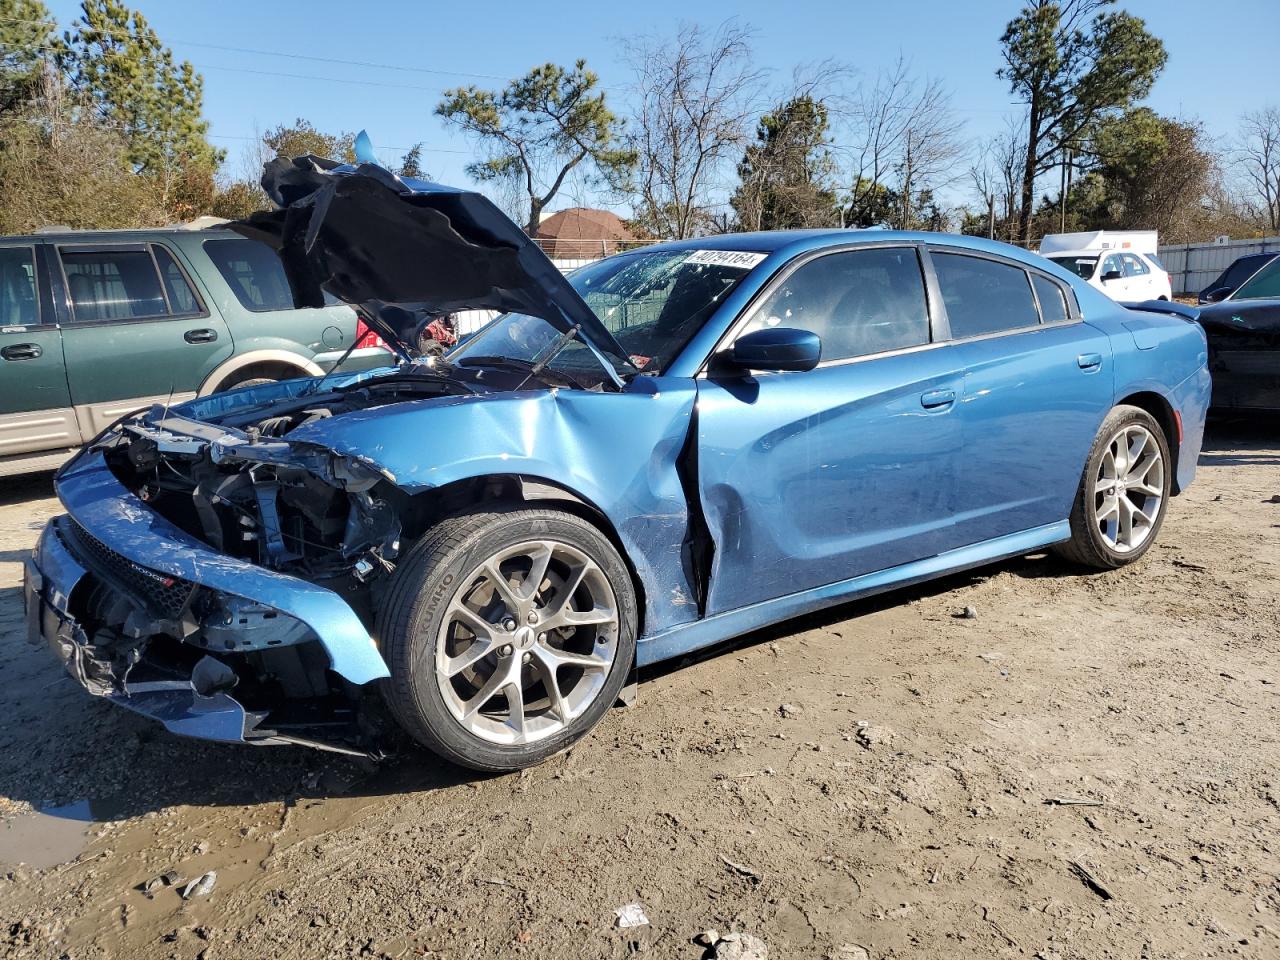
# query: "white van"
x,y
1121,263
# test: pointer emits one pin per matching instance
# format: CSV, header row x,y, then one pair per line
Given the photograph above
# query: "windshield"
x,y
1265,284
1081,266
653,303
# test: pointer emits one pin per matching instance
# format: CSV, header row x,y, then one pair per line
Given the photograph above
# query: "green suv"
x,y
95,324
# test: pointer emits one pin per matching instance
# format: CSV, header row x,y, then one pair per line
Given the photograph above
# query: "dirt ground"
x,y
1088,769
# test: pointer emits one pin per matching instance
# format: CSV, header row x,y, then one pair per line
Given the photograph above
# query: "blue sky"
x,y
1217,55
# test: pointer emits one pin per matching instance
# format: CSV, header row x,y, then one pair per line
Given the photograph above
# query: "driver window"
x,y
858,302
1111,265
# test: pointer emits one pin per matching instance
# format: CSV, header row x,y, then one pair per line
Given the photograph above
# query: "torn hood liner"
x,y
366,235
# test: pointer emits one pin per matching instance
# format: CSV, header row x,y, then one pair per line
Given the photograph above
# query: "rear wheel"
x,y
1123,493
508,634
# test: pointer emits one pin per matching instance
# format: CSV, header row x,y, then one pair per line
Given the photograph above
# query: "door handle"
x,y
22,351
200,336
1089,361
937,398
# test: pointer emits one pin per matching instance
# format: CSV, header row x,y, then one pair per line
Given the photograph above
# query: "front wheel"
x,y
1123,492
508,634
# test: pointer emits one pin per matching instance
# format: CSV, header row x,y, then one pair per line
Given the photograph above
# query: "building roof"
x,y
582,232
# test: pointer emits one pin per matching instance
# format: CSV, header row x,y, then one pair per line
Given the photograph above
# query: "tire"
x,y
1098,537
247,382
442,610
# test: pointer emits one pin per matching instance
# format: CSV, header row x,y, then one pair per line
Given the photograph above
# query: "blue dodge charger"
x,y
668,448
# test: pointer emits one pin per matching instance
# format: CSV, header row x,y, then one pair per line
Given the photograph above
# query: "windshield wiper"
x,y
494,360
531,367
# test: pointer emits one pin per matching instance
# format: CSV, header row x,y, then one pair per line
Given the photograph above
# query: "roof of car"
x,y
135,235
798,241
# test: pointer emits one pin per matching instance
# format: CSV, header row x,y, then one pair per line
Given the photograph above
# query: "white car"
x,y
1124,275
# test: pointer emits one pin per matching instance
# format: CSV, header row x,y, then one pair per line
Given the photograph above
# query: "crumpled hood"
x,y
364,234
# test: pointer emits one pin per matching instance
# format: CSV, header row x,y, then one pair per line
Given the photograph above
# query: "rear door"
x,y
1037,384
136,331
35,404
1140,279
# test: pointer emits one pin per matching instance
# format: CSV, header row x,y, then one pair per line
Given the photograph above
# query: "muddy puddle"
x,y
53,836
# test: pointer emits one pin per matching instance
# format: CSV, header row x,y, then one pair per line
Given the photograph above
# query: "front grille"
x,y
160,592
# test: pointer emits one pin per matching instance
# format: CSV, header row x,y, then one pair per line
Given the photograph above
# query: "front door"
x,y
137,332
35,405
810,478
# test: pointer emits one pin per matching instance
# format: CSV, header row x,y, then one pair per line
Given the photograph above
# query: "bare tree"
x,y
1259,159
905,143
696,95
996,175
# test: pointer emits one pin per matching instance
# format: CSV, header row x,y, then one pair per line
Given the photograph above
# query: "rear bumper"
x,y
1190,401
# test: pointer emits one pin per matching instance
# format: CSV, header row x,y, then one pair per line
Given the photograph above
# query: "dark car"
x,y
1241,269
670,447
1244,344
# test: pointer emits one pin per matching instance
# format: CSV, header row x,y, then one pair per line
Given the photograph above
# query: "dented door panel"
x,y
811,478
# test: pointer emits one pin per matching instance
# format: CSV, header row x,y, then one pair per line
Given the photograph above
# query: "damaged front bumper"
x,y
145,615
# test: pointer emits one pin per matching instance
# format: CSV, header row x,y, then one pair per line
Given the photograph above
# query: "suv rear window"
x,y
112,284
18,304
253,272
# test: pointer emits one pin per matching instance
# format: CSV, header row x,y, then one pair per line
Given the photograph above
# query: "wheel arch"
x,y
428,506
1160,408
239,362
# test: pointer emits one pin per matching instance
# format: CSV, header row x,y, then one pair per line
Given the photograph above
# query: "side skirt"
x,y
723,626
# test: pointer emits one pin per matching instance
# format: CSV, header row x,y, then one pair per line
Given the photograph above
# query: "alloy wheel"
x,y
1129,488
527,642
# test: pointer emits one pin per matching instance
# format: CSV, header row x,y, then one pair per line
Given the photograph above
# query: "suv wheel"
x,y
509,634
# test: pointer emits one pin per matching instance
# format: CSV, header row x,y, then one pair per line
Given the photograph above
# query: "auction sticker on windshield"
x,y
741,259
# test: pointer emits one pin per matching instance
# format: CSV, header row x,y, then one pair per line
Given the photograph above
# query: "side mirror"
x,y
778,348
1110,275
1216,295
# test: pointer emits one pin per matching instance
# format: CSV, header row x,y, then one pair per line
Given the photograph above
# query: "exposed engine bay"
x,y
237,484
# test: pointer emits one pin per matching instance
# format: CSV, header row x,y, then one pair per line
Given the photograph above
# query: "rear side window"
x,y
858,302
984,296
112,284
253,272
19,305
1133,266
1053,301
182,299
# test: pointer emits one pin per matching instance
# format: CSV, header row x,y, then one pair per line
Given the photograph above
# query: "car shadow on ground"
x,y
32,486
69,746
1231,441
